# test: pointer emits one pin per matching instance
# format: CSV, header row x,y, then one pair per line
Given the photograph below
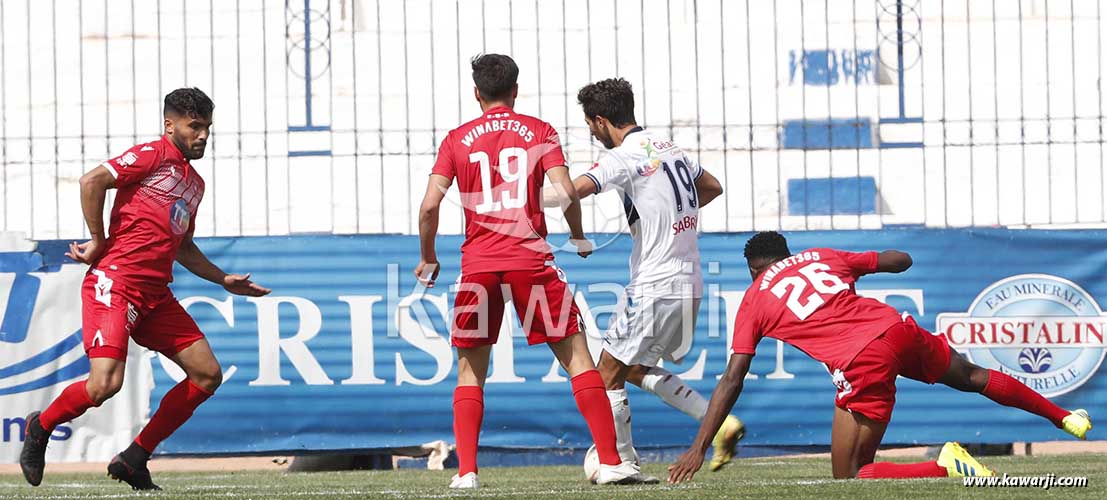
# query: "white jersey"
x,y
658,184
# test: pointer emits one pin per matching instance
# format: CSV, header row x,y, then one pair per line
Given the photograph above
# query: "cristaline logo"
x,y
1044,330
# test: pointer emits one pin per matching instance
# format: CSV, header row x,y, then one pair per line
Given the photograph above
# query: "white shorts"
x,y
645,330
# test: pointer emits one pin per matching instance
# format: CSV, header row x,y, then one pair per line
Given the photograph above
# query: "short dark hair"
x,y
191,102
494,75
612,99
767,245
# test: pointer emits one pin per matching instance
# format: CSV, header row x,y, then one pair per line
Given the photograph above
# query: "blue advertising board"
x,y
349,353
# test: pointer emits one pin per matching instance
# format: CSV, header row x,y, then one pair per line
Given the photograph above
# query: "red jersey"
x,y
500,161
808,300
155,209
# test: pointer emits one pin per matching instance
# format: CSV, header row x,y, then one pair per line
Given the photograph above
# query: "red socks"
x,y
591,396
70,404
889,470
176,407
468,414
1007,391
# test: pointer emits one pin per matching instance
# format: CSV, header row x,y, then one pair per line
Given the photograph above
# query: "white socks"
x,y
620,410
670,388
673,391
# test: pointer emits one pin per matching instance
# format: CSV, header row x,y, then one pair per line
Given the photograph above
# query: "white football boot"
x,y
624,473
468,481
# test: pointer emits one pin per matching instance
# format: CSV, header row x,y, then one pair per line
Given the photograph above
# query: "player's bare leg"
x,y
472,369
472,365
1008,391
613,371
105,378
203,377
635,374
854,439
588,391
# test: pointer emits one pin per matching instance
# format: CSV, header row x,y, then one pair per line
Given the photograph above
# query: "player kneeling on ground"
x,y
865,345
126,292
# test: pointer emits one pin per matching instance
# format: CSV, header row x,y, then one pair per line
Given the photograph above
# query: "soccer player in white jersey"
x,y
663,190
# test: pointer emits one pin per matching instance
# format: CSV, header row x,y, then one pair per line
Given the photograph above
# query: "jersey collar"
x,y
171,150
634,130
500,108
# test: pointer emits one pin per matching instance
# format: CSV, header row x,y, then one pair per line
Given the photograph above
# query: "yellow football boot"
x,y
959,463
1078,423
725,442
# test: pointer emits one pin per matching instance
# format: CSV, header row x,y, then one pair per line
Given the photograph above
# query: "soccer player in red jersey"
x,y
500,161
126,291
808,300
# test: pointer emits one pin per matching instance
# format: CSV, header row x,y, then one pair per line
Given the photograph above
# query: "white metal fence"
x,y
815,113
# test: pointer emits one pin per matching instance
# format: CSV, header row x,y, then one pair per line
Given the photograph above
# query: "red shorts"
x,y
112,311
542,301
868,385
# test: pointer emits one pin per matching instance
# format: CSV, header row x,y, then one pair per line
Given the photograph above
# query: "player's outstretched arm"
x,y
722,401
94,187
893,261
707,188
427,270
192,258
555,196
559,176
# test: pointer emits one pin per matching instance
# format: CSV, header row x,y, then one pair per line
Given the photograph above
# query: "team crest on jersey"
x,y
102,287
1045,331
179,217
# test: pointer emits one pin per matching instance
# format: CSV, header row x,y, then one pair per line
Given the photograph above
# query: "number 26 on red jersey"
x,y
814,274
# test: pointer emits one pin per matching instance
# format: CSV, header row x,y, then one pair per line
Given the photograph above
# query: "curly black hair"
x,y
494,75
191,102
612,99
767,245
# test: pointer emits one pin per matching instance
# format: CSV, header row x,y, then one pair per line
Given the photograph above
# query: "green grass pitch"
x,y
746,478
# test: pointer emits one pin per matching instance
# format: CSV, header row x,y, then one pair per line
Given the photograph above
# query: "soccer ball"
x,y
592,464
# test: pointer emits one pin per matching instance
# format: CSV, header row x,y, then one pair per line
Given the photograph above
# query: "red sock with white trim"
x,y
591,396
468,414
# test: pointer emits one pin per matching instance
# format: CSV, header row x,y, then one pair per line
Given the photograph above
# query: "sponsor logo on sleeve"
x,y
127,160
